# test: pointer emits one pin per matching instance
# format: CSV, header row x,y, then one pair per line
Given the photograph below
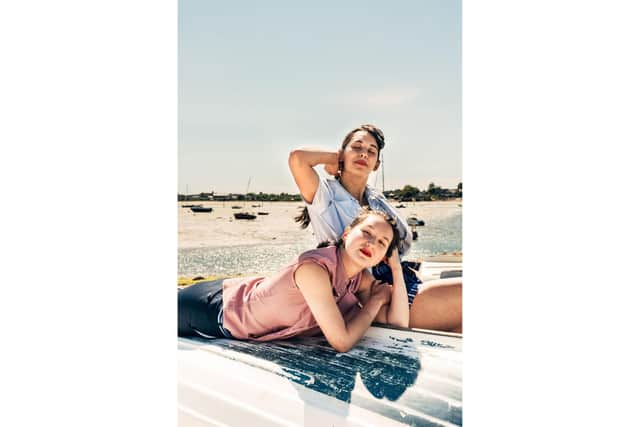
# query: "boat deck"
x,y
391,377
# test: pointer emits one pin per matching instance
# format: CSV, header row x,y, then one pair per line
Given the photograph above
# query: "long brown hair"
x,y
364,213
377,134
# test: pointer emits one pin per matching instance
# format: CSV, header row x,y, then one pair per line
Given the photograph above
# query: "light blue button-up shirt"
x,y
333,209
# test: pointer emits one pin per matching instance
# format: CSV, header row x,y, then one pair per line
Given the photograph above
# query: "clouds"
x,y
384,98
254,85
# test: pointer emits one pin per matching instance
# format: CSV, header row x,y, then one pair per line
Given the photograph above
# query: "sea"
x,y
264,254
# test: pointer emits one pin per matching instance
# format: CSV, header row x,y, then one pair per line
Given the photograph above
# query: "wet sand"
x,y
220,229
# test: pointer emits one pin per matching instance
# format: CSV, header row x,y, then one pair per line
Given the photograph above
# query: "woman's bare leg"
x,y
438,306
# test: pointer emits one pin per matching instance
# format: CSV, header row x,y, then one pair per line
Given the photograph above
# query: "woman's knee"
x,y
442,292
438,306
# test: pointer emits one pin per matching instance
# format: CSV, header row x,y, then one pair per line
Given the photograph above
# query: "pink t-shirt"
x,y
271,308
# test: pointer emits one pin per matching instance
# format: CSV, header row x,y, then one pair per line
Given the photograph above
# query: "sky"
x,y
257,79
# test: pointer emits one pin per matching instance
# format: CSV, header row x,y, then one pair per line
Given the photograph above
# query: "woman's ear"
x,y
346,232
377,165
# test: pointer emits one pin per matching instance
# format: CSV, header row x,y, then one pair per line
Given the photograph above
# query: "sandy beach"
x,y
220,229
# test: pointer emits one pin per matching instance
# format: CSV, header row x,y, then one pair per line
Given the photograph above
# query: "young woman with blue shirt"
x,y
332,203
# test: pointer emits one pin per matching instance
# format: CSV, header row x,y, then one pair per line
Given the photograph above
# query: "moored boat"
x,y
244,215
200,209
415,221
392,377
440,266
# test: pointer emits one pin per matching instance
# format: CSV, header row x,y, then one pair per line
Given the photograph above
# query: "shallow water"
x,y
226,247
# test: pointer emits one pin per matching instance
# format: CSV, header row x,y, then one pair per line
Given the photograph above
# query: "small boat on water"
x,y
236,207
200,208
400,206
263,213
191,206
414,220
244,215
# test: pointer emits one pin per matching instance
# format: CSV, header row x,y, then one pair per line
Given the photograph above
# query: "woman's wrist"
x,y
333,159
372,307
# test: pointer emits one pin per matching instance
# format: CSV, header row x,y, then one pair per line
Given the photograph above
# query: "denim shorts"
x,y
411,281
200,311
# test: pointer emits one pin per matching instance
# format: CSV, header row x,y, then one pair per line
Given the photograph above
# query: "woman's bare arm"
x,y
367,284
315,285
301,163
395,313
398,313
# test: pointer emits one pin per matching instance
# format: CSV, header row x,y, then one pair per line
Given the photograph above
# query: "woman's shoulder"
x,y
330,191
326,256
333,184
377,200
327,189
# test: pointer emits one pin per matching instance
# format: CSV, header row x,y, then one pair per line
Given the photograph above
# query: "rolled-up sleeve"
x,y
322,198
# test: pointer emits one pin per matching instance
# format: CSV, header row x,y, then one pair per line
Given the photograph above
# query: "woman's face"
x,y
367,242
360,156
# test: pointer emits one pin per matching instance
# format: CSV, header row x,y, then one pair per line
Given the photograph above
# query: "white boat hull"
x,y
391,378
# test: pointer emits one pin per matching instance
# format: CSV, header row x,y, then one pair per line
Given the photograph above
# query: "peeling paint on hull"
x,y
391,377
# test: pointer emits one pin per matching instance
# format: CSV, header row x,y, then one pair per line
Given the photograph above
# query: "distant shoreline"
x,y
296,198
406,194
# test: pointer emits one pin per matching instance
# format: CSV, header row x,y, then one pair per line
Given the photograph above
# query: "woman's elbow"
x,y
341,348
294,157
340,345
399,323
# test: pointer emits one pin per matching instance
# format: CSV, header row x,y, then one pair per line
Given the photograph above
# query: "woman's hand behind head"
x,y
394,260
334,169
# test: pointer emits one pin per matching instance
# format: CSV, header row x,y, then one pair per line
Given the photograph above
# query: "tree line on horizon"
x,y
405,194
433,192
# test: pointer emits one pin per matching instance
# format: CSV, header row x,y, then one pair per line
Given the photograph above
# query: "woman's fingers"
x,y
381,290
334,168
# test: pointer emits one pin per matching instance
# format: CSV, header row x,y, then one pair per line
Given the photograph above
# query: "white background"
x,y
550,130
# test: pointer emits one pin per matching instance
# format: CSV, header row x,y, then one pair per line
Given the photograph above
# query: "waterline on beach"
x,y
440,235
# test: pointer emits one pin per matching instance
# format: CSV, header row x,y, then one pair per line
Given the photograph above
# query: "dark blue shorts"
x,y
200,311
383,272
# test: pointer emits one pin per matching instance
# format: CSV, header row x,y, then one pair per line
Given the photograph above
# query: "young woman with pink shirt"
x,y
328,290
